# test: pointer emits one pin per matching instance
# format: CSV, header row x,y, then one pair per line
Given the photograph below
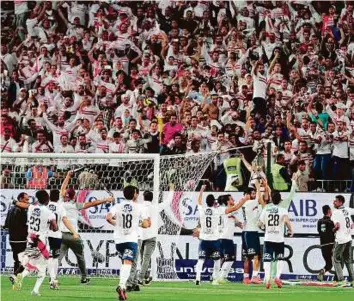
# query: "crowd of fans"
x,y
174,77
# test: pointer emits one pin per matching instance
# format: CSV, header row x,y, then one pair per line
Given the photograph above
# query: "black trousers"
x,y
327,256
260,107
17,248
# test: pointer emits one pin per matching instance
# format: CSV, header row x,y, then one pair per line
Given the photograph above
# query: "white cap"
x,y
340,106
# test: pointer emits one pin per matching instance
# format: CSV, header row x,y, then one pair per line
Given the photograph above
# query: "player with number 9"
x,y
127,217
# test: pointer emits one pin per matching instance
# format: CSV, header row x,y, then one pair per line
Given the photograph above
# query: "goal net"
x,y
95,177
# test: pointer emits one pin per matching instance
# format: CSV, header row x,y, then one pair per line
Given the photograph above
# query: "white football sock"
x,y
53,268
216,270
267,270
124,275
280,265
225,270
39,282
198,269
50,269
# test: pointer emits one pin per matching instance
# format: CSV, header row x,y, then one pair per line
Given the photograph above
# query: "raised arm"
x,y
238,205
285,203
98,202
259,194
200,197
248,166
288,225
65,183
50,124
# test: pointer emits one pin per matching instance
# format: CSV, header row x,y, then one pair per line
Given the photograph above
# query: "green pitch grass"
x,y
104,289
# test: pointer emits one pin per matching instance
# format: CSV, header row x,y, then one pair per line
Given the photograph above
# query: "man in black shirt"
x,y
16,223
325,229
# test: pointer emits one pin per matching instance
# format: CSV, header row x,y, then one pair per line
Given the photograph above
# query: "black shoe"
x,y
148,281
197,282
85,280
121,293
133,288
12,279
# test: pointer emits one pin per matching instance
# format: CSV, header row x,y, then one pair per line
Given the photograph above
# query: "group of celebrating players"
x,y
217,227
264,210
54,218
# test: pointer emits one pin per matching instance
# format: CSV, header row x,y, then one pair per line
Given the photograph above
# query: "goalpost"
x,y
96,176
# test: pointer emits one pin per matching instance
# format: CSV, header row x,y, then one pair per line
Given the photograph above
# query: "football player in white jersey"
x,y
228,226
209,245
127,217
54,237
342,251
251,247
35,257
272,219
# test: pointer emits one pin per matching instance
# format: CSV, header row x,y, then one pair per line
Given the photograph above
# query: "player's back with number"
x,y
273,217
343,217
39,217
210,221
128,215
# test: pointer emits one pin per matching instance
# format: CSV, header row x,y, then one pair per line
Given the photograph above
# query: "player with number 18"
x,y
127,217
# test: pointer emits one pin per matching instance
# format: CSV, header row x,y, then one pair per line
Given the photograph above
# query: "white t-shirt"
x,y
72,213
259,86
151,232
59,212
251,211
340,148
128,215
343,217
209,222
273,217
228,226
38,218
